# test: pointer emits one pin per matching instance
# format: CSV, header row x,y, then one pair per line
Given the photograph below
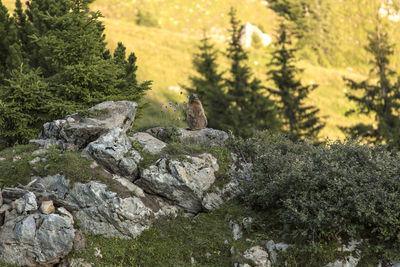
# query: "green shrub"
x,y
337,191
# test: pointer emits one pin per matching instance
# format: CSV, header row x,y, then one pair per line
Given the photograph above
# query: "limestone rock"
x,y
64,213
258,256
103,213
55,183
183,182
114,152
236,231
80,129
206,137
47,207
273,250
246,35
130,186
25,203
212,201
40,151
150,144
34,161
35,239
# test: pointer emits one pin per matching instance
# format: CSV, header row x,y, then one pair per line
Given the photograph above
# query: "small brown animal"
x,y
195,116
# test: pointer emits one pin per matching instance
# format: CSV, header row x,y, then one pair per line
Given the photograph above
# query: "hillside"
x,y
165,50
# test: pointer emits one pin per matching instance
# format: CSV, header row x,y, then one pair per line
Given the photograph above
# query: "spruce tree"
x,y
129,87
10,52
246,91
67,42
65,66
209,85
380,99
299,120
25,104
308,21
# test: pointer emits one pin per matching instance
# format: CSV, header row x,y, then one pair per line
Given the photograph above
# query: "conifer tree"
x,y
246,91
308,21
380,99
66,41
64,61
128,85
209,85
299,120
25,104
10,52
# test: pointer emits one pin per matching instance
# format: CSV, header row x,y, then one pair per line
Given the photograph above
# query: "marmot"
x,y
195,116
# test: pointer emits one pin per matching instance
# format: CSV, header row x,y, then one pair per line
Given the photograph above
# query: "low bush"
x,y
334,191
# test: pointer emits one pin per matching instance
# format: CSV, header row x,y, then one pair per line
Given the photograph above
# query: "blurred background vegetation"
x,y
165,34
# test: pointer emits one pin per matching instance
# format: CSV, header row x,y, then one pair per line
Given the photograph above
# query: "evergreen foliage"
x,y
381,98
25,104
308,20
252,109
299,120
210,87
10,54
62,44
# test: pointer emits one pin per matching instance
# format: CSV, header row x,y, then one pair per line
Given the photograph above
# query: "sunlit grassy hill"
x,y
165,48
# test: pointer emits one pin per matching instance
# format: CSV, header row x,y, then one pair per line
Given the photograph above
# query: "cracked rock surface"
x,y
183,182
35,239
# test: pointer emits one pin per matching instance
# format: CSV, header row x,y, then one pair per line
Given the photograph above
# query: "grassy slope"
x,y
165,52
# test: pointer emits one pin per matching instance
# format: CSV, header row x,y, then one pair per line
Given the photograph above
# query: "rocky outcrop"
x,y
258,256
274,249
246,35
54,183
104,213
239,172
78,130
206,137
184,182
25,204
114,152
150,144
35,239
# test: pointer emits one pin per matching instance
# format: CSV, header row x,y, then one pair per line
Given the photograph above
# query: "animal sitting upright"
x,y
195,116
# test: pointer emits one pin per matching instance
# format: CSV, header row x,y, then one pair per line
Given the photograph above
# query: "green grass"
x,y
70,164
19,171
172,242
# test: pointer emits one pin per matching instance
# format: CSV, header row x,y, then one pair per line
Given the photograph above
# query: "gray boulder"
x,y
206,137
36,239
103,213
258,256
82,128
25,203
237,232
183,182
150,144
114,152
239,173
274,249
55,183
